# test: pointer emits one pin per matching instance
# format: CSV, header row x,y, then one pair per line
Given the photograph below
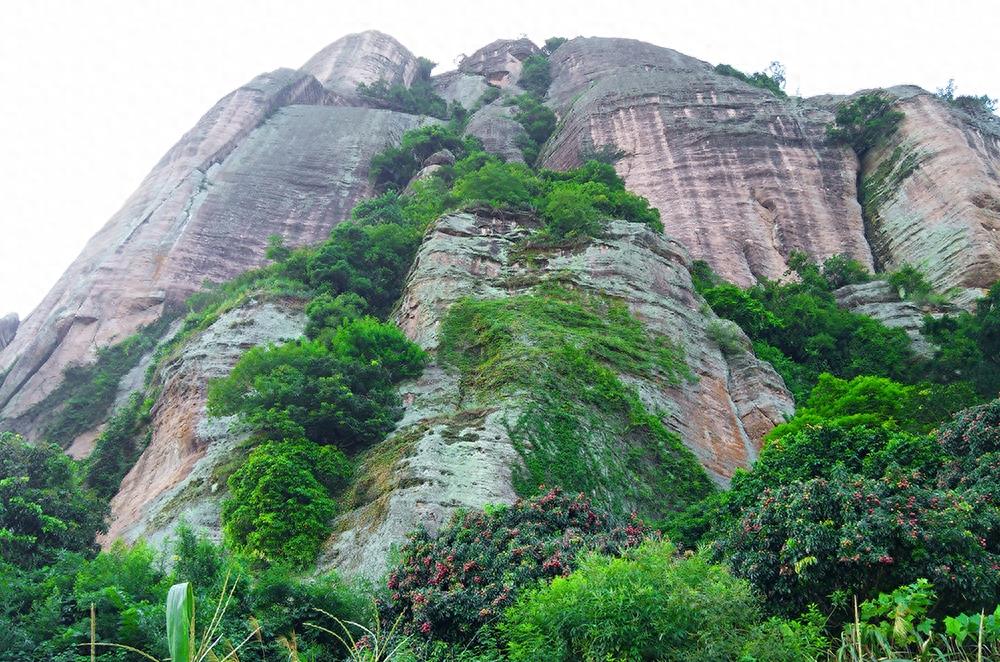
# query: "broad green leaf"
x,y
180,622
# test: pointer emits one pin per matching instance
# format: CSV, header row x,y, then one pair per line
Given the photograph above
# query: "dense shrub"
x,y
535,77
968,345
771,79
338,391
44,508
552,43
418,99
119,446
649,605
280,502
865,121
393,167
538,121
449,586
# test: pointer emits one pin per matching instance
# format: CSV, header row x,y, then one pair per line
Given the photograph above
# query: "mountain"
x,y
743,178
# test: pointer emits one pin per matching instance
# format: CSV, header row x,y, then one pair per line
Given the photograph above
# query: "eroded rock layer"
x,y
449,452
741,177
932,194
178,474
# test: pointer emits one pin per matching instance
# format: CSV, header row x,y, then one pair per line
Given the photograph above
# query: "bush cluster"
x,y
771,79
417,99
865,121
450,585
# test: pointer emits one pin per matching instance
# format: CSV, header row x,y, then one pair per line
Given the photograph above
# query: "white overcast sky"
x,y
95,91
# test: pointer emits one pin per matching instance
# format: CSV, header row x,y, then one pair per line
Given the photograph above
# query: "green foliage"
x,y
451,585
968,345
87,391
538,121
326,313
535,77
119,446
333,391
580,427
44,508
552,43
649,605
981,105
910,283
499,184
418,99
280,502
395,166
875,401
840,270
865,121
771,79
801,330
829,510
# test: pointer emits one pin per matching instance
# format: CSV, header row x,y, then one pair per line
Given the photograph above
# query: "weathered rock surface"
x,y
364,57
496,127
448,453
259,163
461,87
741,177
880,300
8,328
935,194
500,61
177,476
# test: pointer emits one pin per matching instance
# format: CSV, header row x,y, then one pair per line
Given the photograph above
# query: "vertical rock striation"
x,y
932,194
8,328
741,177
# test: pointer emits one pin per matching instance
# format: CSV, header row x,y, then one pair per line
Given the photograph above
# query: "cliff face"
x,y
741,177
267,159
450,452
932,194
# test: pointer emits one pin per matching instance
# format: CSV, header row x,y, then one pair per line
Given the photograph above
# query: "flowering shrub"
x,y
449,586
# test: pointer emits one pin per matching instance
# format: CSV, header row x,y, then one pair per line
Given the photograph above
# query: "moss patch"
x,y
581,427
881,186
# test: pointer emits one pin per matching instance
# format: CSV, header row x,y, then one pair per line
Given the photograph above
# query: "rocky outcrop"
x,y
496,127
265,160
365,57
881,300
181,473
500,61
932,194
8,328
461,87
741,177
449,453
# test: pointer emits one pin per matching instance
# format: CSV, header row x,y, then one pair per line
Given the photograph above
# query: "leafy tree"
x,y
865,121
280,502
535,77
44,508
569,211
840,270
326,312
552,43
500,184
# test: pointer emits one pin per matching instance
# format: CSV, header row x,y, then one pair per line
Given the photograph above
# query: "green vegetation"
x,y
865,121
535,77
981,105
651,605
552,43
538,121
417,99
771,79
44,507
968,345
581,426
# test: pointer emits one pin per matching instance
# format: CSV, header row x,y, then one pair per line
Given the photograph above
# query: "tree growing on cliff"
x,y
865,121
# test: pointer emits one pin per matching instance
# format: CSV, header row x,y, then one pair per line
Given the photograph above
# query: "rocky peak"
x,y
500,61
364,57
8,328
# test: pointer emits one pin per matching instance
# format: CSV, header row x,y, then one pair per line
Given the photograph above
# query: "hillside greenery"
x,y
771,79
869,527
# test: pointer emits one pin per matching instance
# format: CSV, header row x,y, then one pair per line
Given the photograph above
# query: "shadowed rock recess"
x,y
742,178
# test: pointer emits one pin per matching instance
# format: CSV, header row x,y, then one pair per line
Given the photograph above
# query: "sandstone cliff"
x,y
449,452
932,195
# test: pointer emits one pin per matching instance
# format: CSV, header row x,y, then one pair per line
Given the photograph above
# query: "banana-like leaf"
x,y
180,622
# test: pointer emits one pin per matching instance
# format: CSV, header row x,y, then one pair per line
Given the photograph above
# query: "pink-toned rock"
x,y
934,194
500,61
364,57
741,177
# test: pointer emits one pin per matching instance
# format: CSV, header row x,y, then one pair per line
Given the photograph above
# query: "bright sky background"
x,y
95,91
